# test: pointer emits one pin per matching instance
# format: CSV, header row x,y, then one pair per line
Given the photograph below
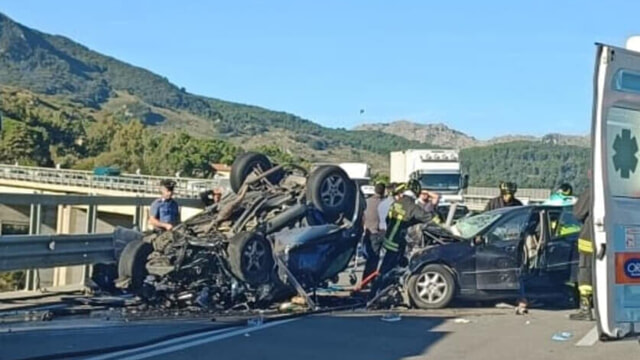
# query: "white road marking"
x,y
185,342
164,343
589,339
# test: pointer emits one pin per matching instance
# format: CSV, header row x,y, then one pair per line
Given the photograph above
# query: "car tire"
x,y
432,288
244,164
250,258
133,263
331,191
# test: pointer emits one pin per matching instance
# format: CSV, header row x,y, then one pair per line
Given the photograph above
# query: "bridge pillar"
x,y
138,217
35,228
71,274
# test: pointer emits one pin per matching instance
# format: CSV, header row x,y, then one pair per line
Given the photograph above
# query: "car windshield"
x,y
471,226
440,181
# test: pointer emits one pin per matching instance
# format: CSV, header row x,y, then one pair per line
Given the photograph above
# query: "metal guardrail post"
x,y
35,226
92,218
138,217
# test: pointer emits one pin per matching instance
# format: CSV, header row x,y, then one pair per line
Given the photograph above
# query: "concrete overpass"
x,y
69,219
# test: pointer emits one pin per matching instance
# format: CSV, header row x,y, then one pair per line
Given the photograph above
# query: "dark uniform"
x,y
499,202
403,214
582,211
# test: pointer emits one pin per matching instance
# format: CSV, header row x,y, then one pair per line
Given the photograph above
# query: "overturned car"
x,y
282,232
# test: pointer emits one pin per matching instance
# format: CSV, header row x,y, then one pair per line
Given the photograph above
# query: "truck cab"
x,y
437,170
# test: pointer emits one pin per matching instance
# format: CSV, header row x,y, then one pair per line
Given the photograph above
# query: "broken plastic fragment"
x,y
391,317
256,321
461,321
562,336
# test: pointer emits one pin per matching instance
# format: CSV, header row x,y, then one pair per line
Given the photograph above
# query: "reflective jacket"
x,y
582,212
403,214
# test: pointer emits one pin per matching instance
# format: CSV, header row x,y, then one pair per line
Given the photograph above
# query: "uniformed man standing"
x,y
582,211
165,212
507,197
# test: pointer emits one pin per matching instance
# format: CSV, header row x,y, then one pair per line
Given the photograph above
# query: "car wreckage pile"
x,y
283,231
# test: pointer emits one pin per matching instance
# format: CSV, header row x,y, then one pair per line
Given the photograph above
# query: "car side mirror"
x,y
465,181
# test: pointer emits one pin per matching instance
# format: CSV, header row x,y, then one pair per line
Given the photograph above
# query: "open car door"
x,y
616,191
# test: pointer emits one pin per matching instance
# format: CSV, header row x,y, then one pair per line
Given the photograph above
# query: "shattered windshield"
x,y
471,226
440,181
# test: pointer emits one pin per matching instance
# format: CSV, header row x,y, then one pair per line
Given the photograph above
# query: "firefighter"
x,y
507,197
582,211
403,214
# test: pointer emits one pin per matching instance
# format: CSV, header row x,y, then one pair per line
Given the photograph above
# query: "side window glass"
x,y
511,229
567,223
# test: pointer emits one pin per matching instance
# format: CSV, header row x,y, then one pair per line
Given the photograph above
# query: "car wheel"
x,y
133,263
245,164
250,258
332,192
432,288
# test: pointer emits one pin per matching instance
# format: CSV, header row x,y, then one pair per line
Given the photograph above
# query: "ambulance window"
x,y
626,81
623,173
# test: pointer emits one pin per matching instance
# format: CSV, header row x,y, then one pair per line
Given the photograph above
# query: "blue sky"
x,y
483,67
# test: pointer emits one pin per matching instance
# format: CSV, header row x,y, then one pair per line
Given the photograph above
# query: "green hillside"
x,y
66,104
530,164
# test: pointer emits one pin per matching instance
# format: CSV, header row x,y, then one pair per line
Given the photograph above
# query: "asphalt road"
x,y
469,333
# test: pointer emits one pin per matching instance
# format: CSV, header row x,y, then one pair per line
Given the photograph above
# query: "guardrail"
x,y
144,184
19,252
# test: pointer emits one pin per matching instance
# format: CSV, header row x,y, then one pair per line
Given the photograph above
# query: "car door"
x,y
498,258
615,189
559,251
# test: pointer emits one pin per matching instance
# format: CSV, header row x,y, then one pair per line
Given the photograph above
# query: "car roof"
x,y
523,207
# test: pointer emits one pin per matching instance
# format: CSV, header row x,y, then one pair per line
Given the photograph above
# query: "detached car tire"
x,y
331,191
250,258
432,288
244,165
133,263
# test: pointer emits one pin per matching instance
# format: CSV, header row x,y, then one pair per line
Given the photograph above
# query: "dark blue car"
x,y
491,255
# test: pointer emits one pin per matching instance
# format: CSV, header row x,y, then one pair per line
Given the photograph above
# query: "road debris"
x,y
391,317
562,336
462,321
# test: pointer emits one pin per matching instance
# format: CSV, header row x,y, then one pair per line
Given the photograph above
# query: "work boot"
x,y
584,314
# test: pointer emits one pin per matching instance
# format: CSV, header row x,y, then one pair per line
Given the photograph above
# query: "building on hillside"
x,y
221,170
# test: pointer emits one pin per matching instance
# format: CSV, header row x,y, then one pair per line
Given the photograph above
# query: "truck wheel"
x,y
133,263
245,164
250,258
432,288
332,192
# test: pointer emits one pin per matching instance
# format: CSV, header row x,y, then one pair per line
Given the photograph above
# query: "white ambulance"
x,y
616,189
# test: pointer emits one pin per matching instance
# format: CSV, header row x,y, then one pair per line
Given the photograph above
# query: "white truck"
x,y
437,170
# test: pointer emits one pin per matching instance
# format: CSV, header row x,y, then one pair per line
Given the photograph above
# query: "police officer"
x,y
507,197
582,211
403,214
165,212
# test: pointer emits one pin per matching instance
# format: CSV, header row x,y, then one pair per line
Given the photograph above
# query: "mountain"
x,y
441,135
56,66
64,103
